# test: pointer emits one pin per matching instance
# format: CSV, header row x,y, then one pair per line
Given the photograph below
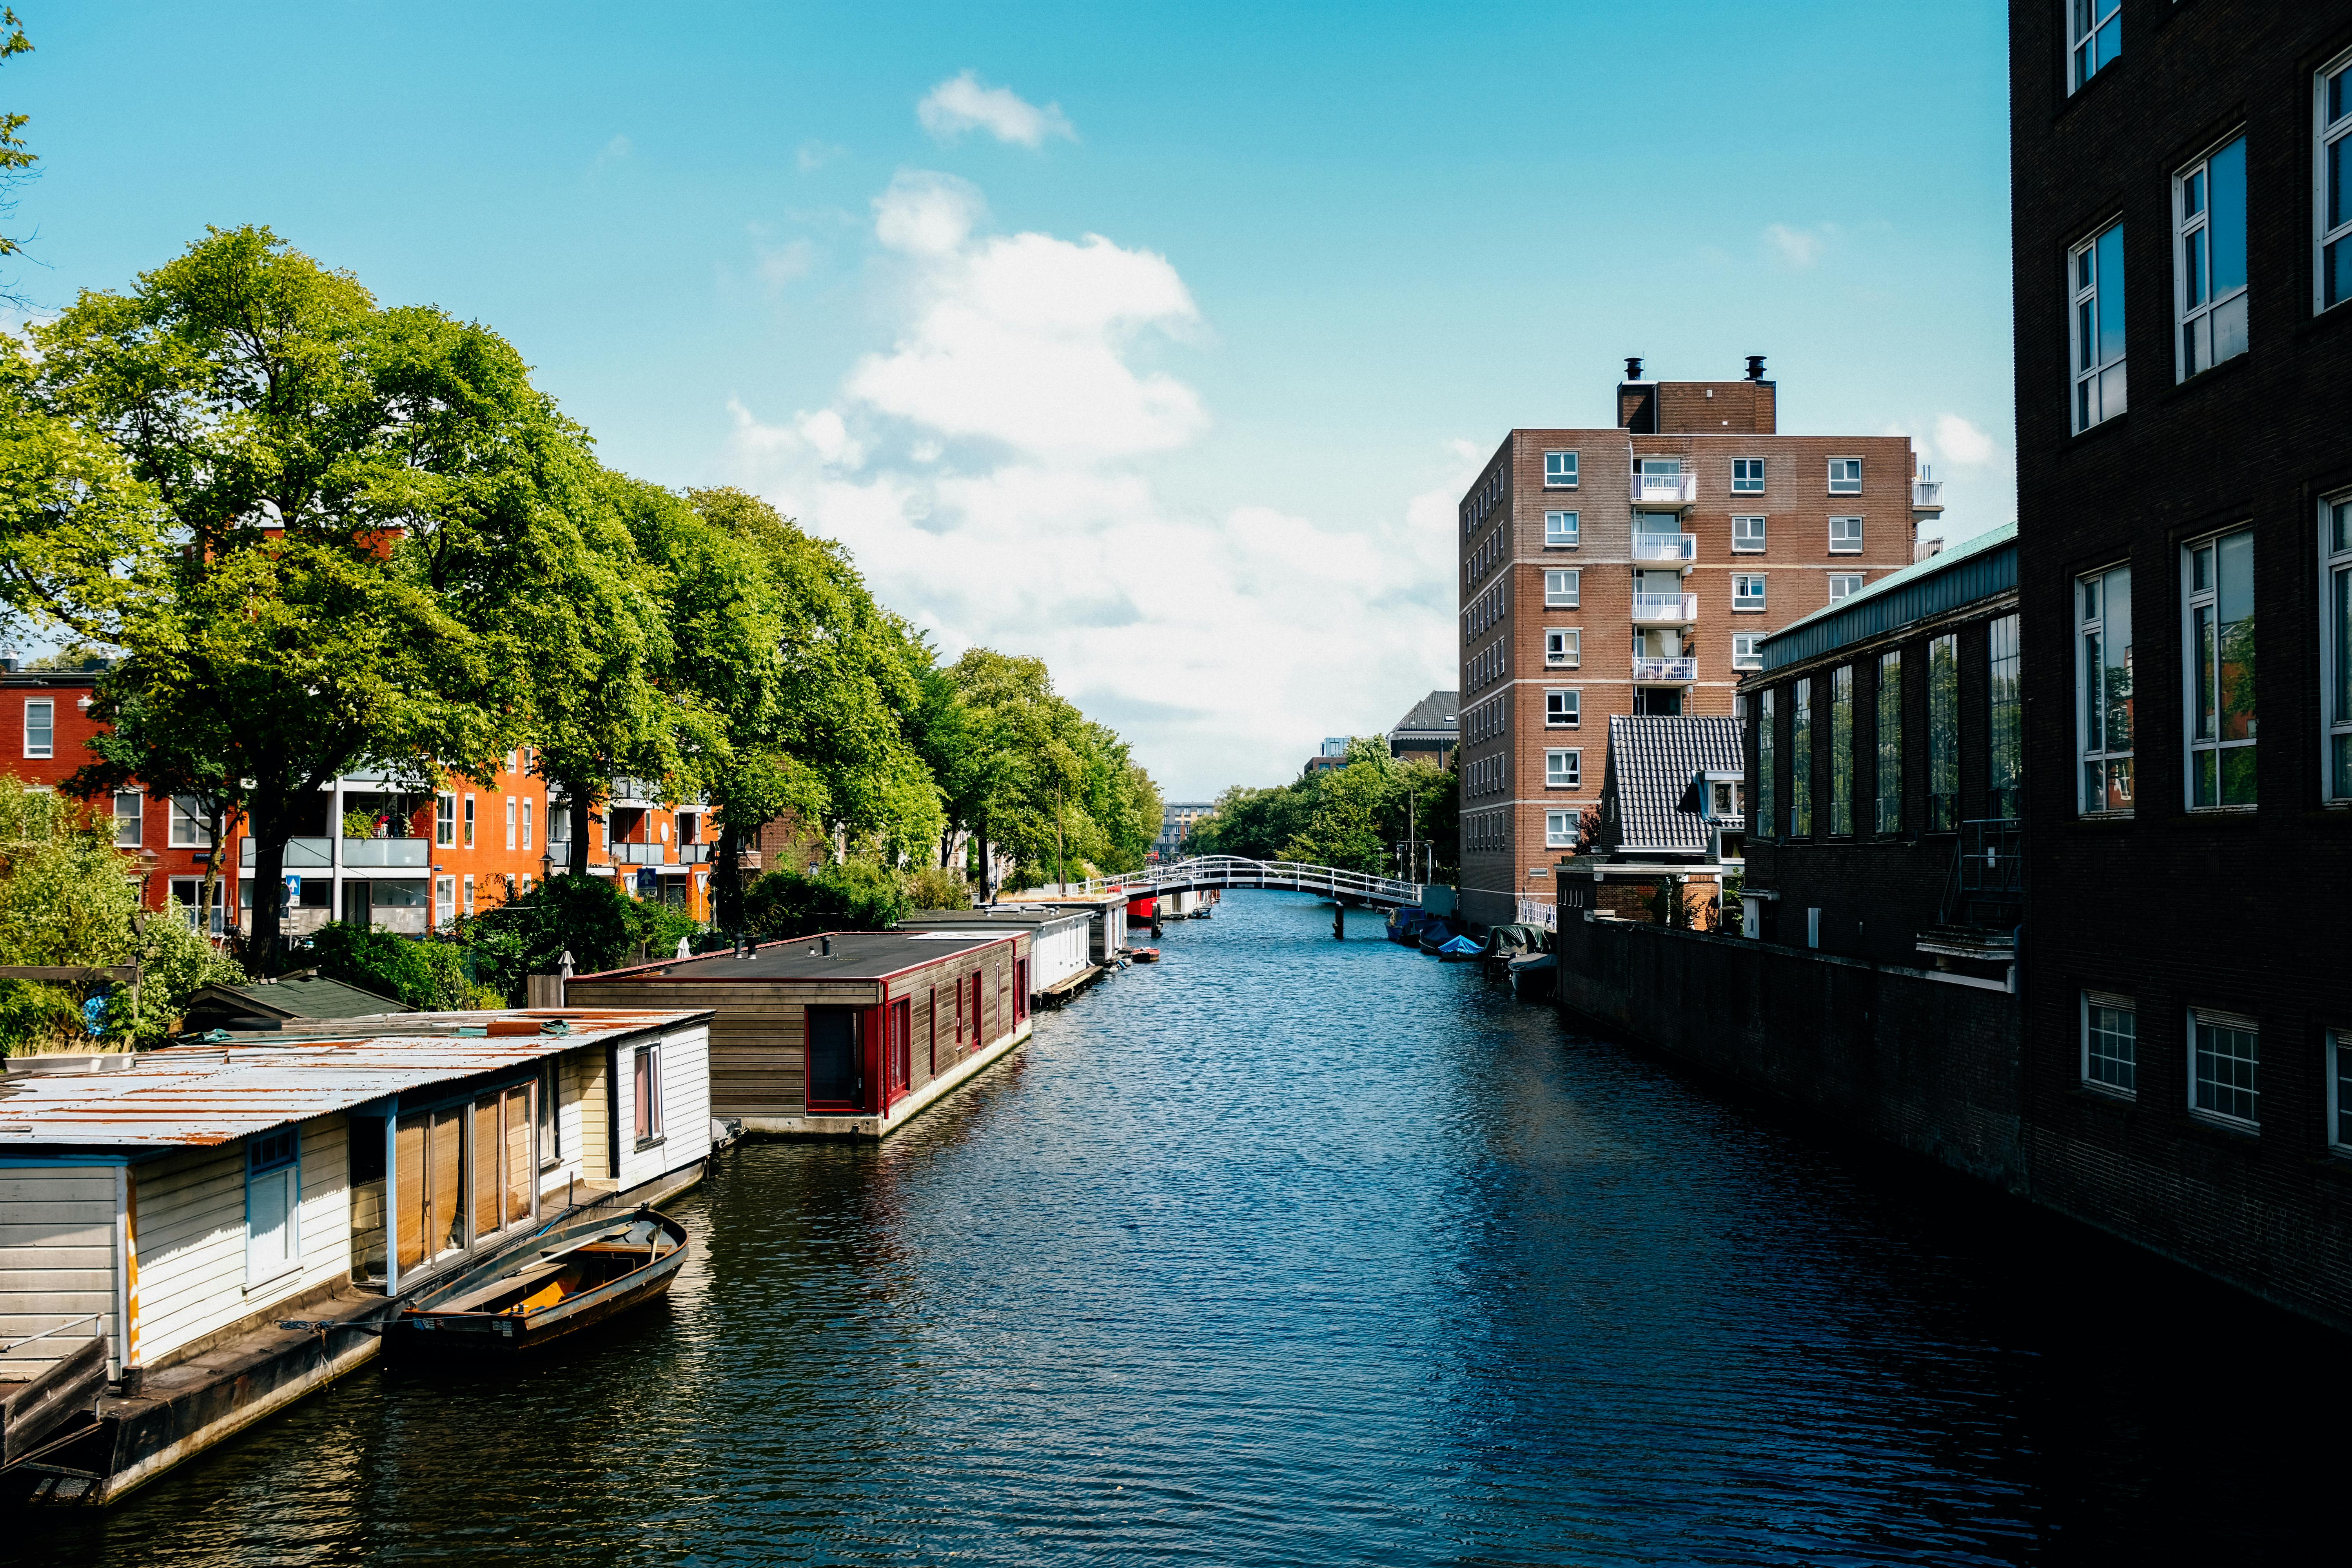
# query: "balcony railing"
x,y
402,852
1665,547
1924,491
1665,671
693,854
1729,822
1664,489
1665,609
302,854
638,854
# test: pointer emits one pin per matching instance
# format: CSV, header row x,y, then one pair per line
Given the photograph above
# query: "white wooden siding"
x,y
1054,956
684,1106
57,1258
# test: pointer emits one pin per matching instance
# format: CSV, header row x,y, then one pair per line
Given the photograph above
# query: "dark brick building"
x,y
2183,254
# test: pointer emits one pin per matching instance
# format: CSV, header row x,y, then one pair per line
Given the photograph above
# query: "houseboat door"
x,y
836,1058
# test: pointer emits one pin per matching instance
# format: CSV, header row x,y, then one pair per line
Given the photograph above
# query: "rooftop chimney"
x,y
1755,367
1633,367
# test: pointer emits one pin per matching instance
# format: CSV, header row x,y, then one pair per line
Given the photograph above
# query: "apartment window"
x,y
1888,792
465,894
1560,470
469,822
1943,733
2095,37
511,822
2335,538
2209,259
2096,272
1748,476
2103,688
1845,536
445,820
444,899
1844,585
1563,769
2217,581
40,726
2332,162
130,818
1747,535
1748,590
1563,646
1842,750
1748,650
1560,589
191,826
2006,753
2110,1043
1563,709
1767,795
1845,476
1559,829
2225,1067
526,825
2339,1090
1559,530
1801,760
644,1093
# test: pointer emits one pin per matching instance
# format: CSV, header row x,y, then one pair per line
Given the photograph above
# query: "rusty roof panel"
x,y
207,1094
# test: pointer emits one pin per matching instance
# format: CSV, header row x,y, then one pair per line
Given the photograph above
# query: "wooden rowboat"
x,y
563,1280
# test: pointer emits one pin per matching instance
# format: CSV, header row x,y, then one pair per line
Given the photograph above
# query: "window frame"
x,y
1753,659
2193,666
2214,1017
445,820
2095,697
1564,767
1768,796
1567,699
2330,141
198,833
645,1094
467,821
1943,733
2083,40
2005,802
1571,596
2335,642
1554,470
1850,546
2129,1007
1570,655
1843,483
1742,544
2335,1065
134,824
2085,378
1840,716
2192,237
1886,744
1748,484
1569,537
47,748
1740,600
1800,757
1559,829
1853,582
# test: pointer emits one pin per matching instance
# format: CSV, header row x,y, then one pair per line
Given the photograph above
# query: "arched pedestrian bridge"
x,y
1221,872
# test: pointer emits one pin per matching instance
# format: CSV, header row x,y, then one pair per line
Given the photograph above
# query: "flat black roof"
x,y
1003,915
856,955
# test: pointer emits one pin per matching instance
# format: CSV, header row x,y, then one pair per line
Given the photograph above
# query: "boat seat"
x,y
499,1287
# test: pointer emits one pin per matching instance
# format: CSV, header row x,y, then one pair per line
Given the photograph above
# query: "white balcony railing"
x,y
1665,547
1924,491
302,854
402,852
1664,489
693,854
638,854
1665,609
1665,671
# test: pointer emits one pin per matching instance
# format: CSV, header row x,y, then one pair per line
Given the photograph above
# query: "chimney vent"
x,y
1755,367
1633,367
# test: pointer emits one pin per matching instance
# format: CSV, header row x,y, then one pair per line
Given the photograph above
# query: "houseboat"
x,y
172,1211
1061,961
845,1034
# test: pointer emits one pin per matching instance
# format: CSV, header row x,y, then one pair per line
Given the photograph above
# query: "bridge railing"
x,y
1234,871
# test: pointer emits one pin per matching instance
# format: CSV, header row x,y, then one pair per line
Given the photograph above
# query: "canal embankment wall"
x,y
1927,1062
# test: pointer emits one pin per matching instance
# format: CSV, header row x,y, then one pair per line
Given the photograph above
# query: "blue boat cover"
x,y
1460,944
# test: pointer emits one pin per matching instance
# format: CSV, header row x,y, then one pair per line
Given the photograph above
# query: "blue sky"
x,y
1161,342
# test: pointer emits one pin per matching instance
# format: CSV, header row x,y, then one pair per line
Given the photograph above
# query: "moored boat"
x,y
565,1278
1533,975
1145,954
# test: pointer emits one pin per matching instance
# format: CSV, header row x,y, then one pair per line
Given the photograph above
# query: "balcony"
x,y
1665,609
1665,547
635,792
302,854
1923,493
638,854
409,853
1665,671
693,854
1665,489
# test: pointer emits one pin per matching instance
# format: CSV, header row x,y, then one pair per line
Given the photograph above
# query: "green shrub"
x,y
35,1018
855,896
432,976
587,917
934,888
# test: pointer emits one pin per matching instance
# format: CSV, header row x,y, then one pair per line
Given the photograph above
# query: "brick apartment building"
x,y
1634,570
2182,190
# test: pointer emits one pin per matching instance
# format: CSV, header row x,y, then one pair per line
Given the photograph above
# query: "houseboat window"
x,y
1890,741
368,1212
550,1127
1943,733
834,1075
272,1186
979,1018
429,1162
933,1011
902,1046
646,1093
2006,752
516,1124
1020,989
488,1146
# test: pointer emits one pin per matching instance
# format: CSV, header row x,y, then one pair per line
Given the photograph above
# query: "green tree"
x,y
17,160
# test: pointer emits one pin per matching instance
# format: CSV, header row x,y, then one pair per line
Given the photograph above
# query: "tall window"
x,y
2209,259
130,818
2339,1090
1943,733
1561,590
1747,535
2332,163
1845,536
2103,688
1801,760
646,1089
1889,790
2225,1066
1560,470
445,821
1748,650
1563,646
1748,590
1563,769
469,822
2095,37
2096,272
40,726
1842,749
2217,580
525,824
2335,538
1767,797
1748,476
1559,530
2110,1043
511,822
2005,757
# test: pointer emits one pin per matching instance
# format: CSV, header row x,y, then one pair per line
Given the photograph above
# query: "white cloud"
x,y
813,155
961,104
1957,441
1799,247
985,469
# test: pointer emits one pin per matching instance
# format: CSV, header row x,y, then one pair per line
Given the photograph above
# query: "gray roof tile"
x,y
1651,764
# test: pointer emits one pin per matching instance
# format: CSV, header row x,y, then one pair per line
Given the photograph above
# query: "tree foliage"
x,y
1357,816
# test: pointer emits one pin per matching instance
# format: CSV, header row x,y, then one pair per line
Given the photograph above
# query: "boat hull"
x,y
432,1327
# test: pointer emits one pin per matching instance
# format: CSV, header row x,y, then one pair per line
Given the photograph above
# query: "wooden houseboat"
x,y
1061,960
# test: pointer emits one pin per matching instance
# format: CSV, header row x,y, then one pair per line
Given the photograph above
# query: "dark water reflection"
x,y
1288,1252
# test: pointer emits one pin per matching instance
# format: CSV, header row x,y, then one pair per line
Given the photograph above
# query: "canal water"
x,y
1295,1252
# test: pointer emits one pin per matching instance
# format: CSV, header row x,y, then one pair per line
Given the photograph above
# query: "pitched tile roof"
x,y
1439,711
1652,761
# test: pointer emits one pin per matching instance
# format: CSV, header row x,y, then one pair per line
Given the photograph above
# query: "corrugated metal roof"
x,y
1976,568
1653,759
200,1095
862,955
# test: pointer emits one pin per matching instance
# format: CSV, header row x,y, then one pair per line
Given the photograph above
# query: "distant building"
x,y
1672,815
1430,731
1176,820
1334,753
